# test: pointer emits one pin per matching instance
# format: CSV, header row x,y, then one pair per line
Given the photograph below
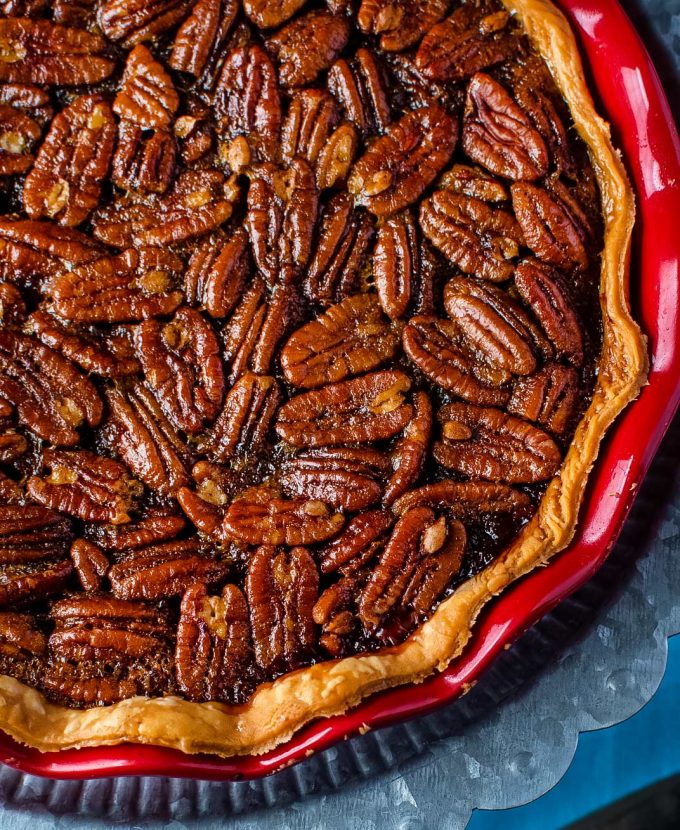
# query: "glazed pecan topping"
x,y
90,564
396,264
132,21
147,95
349,339
400,165
307,46
474,37
217,272
549,397
85,485
199,40
465,499
499,135
399,24
143,162
39,52
359,86
260,517
148,531
282,587
476,237
474,182
410,451
490,444
369,408
181,363
65,182
214,652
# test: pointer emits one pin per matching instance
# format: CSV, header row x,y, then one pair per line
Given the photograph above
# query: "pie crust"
x,y
279,709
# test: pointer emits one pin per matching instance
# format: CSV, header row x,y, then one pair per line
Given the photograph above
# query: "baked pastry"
x,y
301,360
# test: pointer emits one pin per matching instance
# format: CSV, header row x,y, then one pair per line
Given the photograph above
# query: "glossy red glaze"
x,y
631,97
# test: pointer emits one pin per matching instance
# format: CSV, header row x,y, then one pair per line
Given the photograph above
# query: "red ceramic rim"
x,y
632,98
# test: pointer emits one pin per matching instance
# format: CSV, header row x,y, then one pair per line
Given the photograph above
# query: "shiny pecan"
x,y
308,45
255,329
18,135
40,52
349,339
550,397
282,205
364,409
28,98
205,505
421,557
34,559
214,652
359,541
90,564
148,531
65,182
359,85
282,587
144,160
132,21
396,264
410,451
499,135
182,366
474,37
445,356
199,202
553,225
466,500
478,238
146,441
147,95
259,516
341,249
200,39
269,14
400,165
217,273
103,650
542,290
336,157
165,570
312,115
399,23
471,181
344,477
245,418
247,100
205,516
194,131
334,612
51,396
490,444
74,12
85,485
134,285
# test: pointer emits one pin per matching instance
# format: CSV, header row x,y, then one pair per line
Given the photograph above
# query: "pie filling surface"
x,y
299,315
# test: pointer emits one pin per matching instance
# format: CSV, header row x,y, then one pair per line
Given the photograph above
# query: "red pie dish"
x,y
630,96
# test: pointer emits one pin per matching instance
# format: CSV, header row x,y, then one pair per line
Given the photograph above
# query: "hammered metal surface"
x,y
596,660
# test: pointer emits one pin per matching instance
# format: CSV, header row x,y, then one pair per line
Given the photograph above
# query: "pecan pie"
x,y
312,317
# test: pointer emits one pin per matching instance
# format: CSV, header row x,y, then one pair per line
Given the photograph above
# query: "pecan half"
x,y
400,165
18,135
247,100
90,564
85,485
410,451
364,409
553,227
182,366
134,285
40,52
474,37
245,418
311,117
399,23
147,95
282,205
359,86
490,444
65,182
74,13
282,587
165,570
549,397
472,181
361,538
336,157
541,289
478,238
145,439
396,264
466,500
132,21
217,273
334,612
343,239
143,162
51,396
260,517
344,477
214,652
268,14
349,339
307,46
148,531
199,40
499,135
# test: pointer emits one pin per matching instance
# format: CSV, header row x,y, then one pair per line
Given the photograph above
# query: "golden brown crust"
x,y
278,709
